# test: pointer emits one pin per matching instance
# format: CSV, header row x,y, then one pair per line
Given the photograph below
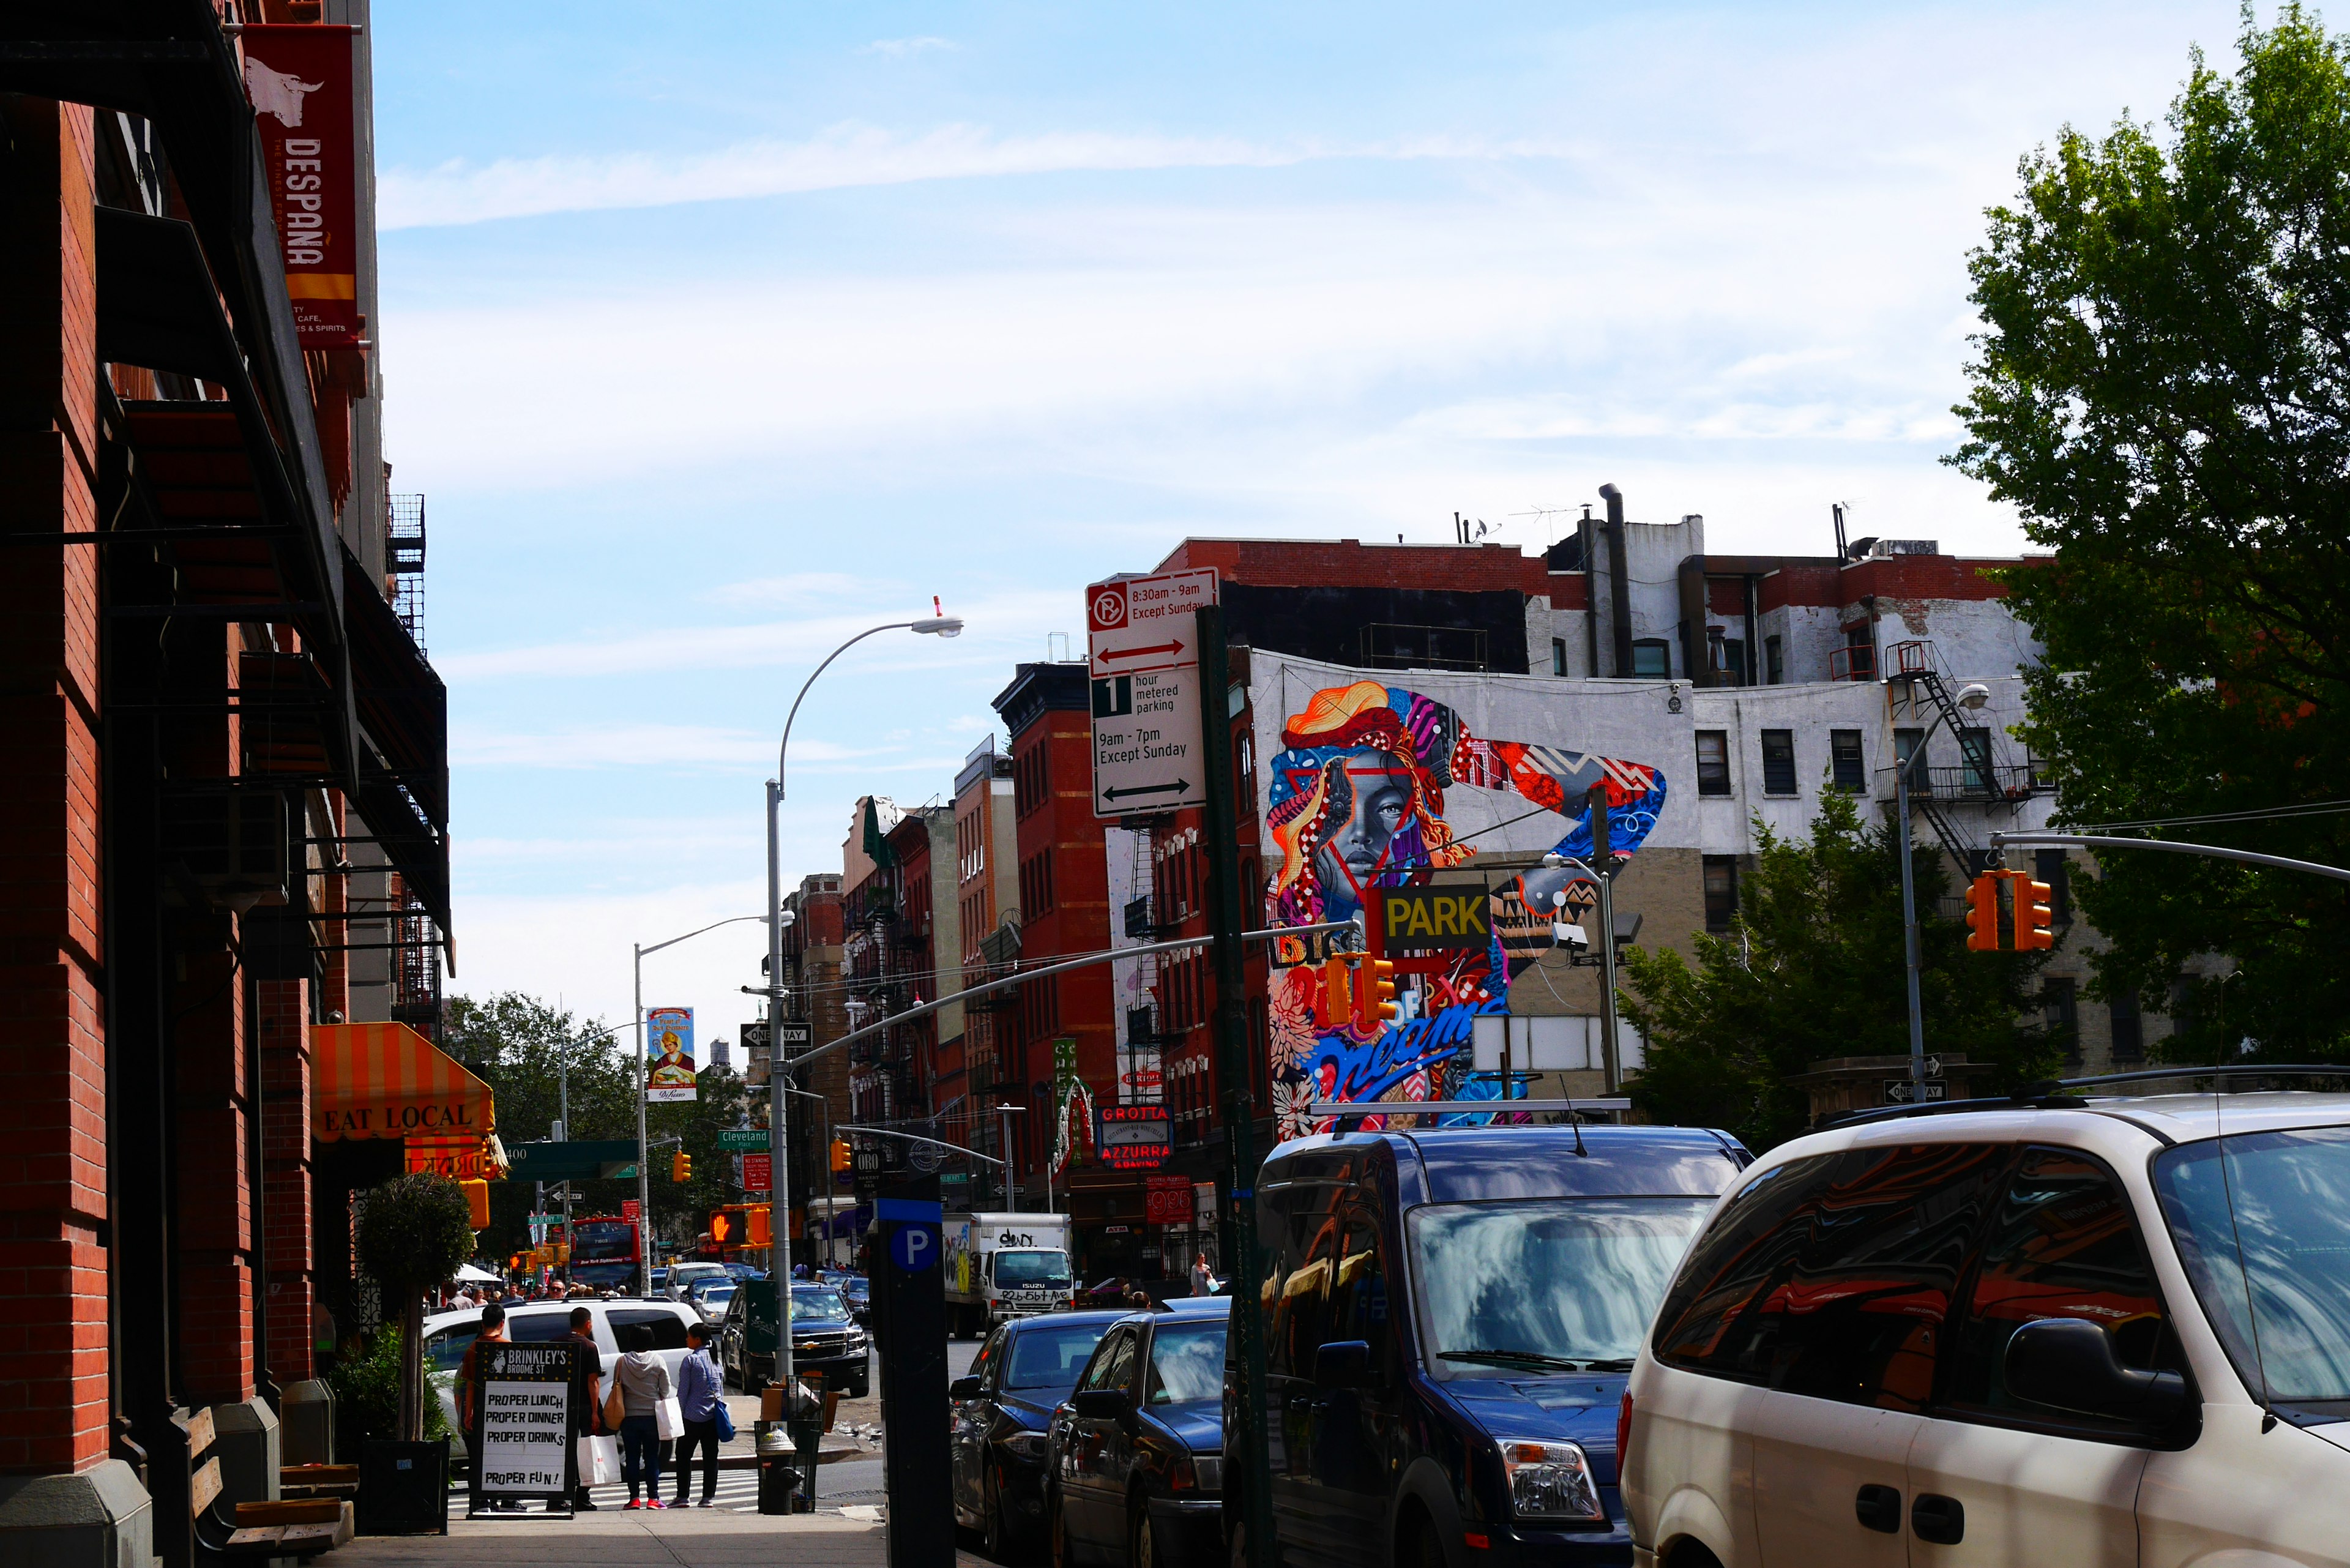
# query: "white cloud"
x,y
896,48
841,156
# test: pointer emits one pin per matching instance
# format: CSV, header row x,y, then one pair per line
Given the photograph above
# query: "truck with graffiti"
x,y
1005,1265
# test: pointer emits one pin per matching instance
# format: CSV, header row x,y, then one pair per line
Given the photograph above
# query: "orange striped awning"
x,y
385,1080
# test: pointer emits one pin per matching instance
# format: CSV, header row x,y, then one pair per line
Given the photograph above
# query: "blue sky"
x,y
715,332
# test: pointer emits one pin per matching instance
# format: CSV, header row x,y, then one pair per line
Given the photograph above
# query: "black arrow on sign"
x,y
1179,785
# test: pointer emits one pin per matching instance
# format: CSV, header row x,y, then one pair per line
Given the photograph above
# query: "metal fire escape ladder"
x,y
1915,666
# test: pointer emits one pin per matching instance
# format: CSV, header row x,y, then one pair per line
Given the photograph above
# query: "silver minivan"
x,y
2113,1332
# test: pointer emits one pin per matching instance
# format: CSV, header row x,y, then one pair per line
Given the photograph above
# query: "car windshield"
x,y
1186,1363
818,1303
2264,1231
1604,1264
1029,1269
716,1295
1048,1356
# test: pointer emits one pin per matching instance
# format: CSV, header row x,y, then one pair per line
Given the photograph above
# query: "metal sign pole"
x,y
1234,1067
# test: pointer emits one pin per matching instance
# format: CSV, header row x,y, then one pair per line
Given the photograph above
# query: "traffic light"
x,y
681,1167
759,1230
839,1154
477,1204
1982,913
2034,916
725,1228
1374,990
1332,1007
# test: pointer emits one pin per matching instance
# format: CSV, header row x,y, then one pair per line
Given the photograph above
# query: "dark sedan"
x,y
1137,1453
997,1428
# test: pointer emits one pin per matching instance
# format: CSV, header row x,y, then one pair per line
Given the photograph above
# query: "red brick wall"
x,y
53,1318
1351,563
1927,578
283,1018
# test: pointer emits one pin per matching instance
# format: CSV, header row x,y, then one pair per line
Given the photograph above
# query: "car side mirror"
x,y
1342,1364
963,1389
2068,1362
1102,1404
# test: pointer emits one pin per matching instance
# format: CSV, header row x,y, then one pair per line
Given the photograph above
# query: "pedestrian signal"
x,y
841,1155
1982,912
681,1167
2034,915
759,1227
1374,990
725,1228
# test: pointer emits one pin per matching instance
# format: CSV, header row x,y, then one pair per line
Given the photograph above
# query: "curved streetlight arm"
x,y
730,920
783,748
2098,841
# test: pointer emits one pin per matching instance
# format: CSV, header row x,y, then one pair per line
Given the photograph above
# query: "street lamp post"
x,y
824,1136
1971,698
778,1114
1006,1113
644,1056
1611,1066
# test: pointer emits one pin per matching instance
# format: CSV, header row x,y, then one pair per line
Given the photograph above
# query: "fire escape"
x,y
1988,779
403,561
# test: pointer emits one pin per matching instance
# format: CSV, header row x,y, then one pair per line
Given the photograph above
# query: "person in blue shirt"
x,y
699,1387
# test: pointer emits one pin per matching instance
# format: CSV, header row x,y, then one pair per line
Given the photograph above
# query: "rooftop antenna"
x,y
1844,553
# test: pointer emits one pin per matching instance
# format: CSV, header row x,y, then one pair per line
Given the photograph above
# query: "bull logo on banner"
x,y
1356,801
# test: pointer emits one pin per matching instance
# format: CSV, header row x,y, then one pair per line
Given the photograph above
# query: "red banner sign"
x,y
298,77
758,1173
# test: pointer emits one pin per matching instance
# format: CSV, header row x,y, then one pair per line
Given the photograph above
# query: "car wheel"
x,y
994,1534
1056,1531
1423,1550
1141,1542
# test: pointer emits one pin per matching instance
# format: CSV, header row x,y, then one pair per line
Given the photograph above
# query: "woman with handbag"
x,y
640,1386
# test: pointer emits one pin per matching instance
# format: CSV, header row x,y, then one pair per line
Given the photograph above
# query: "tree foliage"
x,y
1813,968
2162,388
518,1045
414,1231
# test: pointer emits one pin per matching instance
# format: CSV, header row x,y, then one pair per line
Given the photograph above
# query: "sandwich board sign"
x,y
521,1415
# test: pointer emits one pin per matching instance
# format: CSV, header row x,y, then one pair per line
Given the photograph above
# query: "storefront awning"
x,y
385,1080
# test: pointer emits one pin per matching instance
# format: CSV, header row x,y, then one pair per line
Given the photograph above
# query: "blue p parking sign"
x,y
914,1248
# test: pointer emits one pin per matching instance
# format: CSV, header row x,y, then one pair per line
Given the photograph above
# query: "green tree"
x,y
2162,388
414,1231
1814,968
518,1045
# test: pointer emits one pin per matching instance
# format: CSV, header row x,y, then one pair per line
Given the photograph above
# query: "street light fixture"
x,y
941,625
1971,697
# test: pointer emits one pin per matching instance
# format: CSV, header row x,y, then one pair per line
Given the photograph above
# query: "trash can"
x,y
807,1434
779,1470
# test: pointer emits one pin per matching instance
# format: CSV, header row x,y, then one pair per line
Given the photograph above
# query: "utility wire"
x,y
2264,814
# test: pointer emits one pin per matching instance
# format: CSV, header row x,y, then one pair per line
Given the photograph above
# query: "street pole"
x,y
644,1168
1004,1115
1232,1067
1910,925
1604,873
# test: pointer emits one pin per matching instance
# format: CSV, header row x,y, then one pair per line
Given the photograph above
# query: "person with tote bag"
x,y
642,1385
599,1455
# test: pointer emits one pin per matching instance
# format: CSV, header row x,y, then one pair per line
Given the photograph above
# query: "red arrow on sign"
x,y
1139,653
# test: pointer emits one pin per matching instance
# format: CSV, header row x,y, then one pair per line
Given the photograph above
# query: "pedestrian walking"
x,y
1203,1283
699,1387
469,1377
586,1393
643,1381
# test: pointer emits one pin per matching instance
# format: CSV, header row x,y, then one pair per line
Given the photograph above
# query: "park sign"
x,y
1435,917
1143,661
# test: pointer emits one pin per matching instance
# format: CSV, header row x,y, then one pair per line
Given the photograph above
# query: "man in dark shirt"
x,y
586,1393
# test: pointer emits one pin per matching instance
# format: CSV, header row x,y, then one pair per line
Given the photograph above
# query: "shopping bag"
x,y
669,1418
600,1461
725,1419
615,1407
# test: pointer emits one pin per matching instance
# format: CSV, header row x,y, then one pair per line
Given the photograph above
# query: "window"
x,y
1245,775
1558,656
1113,1359
2128,1028
2060,1005
1778,762
1834,1281
669,1328
1307,1236
1774,659
1733,662
1720,892
2055,868
1907,754
2061,1243
1652,659
1358,1296
1974,750
1186,1363
1713,762
1850,772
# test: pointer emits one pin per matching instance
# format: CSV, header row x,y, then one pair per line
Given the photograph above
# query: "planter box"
x,y
403,1488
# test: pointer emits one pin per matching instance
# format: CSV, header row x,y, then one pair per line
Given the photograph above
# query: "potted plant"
x,y
414,1232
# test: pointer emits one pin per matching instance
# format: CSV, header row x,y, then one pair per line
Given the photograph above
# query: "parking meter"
x,y
909,1319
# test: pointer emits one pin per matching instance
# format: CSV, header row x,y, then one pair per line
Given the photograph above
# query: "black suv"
x,y
1449,1316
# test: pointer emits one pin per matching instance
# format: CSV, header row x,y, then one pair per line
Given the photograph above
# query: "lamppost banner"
x,y
669,1037
298,78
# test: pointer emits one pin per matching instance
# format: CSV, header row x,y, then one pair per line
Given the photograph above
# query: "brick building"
x,y
217,716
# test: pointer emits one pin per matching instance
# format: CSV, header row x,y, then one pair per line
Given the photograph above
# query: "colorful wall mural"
x,y
1379,786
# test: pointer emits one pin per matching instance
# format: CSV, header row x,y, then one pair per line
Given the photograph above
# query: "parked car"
x,y
682,1278
825,1338
447,1333
660,1278
743,1271
1447,1324
1002,1412
857,1292
1136,1452
709,1297
2114,1331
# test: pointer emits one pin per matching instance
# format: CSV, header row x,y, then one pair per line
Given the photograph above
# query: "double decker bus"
x,y
604,1251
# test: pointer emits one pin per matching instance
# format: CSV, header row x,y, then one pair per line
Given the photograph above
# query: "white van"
x,y
2111,1333
447,1333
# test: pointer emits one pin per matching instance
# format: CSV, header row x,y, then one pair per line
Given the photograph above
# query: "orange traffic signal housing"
x,y
477,1204
1332,1005
2034,917
760,1226
1982,912
1374,990
839,1154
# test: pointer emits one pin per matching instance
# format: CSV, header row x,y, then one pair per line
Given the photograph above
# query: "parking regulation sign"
x,y
1143,658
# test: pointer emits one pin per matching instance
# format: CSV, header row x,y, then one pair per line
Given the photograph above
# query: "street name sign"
x,y
1144,662
745,1140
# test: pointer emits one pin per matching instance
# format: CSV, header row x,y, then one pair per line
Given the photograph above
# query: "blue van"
x,y
1448,1317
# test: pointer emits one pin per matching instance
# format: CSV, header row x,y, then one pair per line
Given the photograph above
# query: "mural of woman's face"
x,y
1369,795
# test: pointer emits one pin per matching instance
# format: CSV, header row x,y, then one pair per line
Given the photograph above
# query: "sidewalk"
x,y
687,1538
